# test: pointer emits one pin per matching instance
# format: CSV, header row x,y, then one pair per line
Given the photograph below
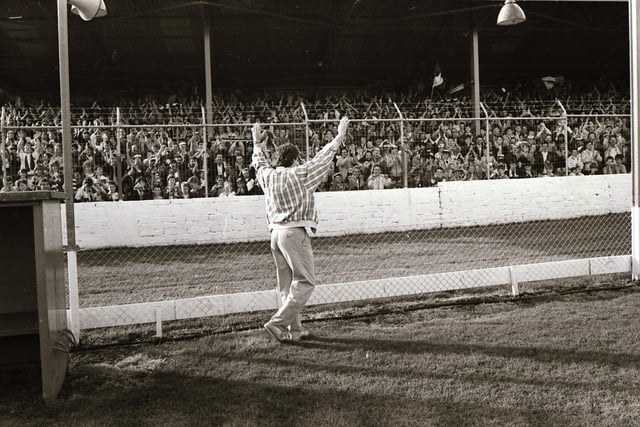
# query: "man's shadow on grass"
x,y
540,354
103,395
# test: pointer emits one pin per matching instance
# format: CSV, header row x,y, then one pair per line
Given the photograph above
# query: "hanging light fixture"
x,y
88,9
511,14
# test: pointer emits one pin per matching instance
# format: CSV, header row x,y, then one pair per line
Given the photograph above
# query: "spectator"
x,y
458,174
544,160
612,147
438,177
101,184
87,192
610,166
513,171
157,192
575,171
366,164
28,158
141,190
338,183
548,169
474,173
500,172
356,181
6,186
22,176
248,175
238,166
227,190
241,187
594,169
588,156
218,187
218,168
172,190
526,155
620,166
230,172
416,181
57,154
21,185
185,190
574,160
113,194
392,162
528,171
344,162
377,180
195,188
13,162
178,145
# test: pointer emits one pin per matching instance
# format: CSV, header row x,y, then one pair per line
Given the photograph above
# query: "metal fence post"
x,y
205,156
488,126
405,177
3,148
74,300
634,21
306,128
564,123
119,153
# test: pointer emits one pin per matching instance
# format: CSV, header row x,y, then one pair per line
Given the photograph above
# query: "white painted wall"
x,y
452,204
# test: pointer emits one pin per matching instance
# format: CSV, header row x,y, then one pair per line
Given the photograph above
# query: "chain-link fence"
x,y
357,267
123,155
144,274
411,150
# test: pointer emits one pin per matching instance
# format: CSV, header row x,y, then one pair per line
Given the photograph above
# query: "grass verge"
x,y
569,359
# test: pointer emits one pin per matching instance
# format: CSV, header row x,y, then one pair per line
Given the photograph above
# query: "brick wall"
x,y
452,204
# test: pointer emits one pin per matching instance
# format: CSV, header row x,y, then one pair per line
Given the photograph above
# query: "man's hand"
x,y
258,134
342,127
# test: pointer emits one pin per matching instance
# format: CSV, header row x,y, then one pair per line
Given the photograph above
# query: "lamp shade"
x,y
88,9
511,14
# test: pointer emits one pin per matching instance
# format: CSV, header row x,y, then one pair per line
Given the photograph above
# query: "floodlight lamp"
x,y
511,14
88,9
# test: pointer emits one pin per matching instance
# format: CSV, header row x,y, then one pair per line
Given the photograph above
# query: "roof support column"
x,y
65,111
475,79
208,71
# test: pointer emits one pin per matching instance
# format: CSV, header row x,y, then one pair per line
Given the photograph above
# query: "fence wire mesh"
x,y
130,155
416,142
136,275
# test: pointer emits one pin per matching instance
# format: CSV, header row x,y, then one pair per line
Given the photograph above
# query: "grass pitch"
x,y
132,275
569,360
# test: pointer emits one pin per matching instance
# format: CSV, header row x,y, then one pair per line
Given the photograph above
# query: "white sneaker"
x,y
276,333
298,335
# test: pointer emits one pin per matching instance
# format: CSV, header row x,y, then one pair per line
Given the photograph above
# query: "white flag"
x,y
549,82
437,80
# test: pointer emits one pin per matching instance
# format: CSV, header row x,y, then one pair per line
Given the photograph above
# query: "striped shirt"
x,y
289,191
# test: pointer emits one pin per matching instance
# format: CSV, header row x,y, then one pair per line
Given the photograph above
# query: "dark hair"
x,y
286,154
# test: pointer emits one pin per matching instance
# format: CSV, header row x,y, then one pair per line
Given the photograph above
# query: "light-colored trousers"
x,y
291,249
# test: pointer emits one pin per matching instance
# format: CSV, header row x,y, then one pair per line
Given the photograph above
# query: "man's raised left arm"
x,y
318,167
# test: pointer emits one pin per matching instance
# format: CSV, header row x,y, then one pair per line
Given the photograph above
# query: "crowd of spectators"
x,y
149,149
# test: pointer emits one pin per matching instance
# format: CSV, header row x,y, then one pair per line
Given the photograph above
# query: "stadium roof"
x,y
297,43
